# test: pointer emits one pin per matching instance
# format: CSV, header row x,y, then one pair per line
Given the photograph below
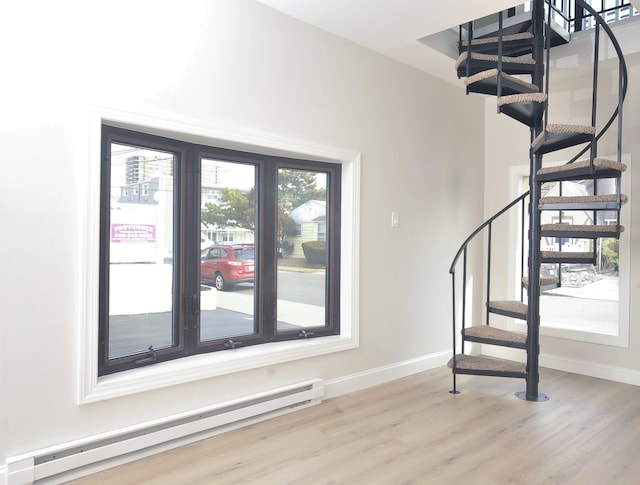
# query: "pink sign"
x,y
133,233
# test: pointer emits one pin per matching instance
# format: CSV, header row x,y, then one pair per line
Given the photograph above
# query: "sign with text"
x,y
133,233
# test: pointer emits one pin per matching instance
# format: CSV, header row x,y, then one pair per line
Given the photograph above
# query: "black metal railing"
x,y
569,16
582,19
463,252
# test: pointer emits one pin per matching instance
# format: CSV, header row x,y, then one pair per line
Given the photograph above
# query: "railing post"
x,y
453,370
464,295
621,94
499,78
489,236
469,38
578,24
522,236
594,98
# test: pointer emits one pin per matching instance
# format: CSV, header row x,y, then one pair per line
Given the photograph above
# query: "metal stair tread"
x,y
583,202
532,97
486,82
495,336
481,62
557,137
578,231
489,366
527,108
509,42
509,308
569,228
601,168
585,257
494,58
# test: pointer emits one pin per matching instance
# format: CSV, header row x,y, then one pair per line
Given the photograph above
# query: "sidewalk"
x,y
147,288
603,289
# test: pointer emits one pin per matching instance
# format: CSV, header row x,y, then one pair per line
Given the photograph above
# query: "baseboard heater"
x,y
82,457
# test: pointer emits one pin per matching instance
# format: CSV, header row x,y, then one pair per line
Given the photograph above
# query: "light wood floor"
x,y
412,431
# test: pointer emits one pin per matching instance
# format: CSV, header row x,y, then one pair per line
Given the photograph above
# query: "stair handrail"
x,y
463,251
482,226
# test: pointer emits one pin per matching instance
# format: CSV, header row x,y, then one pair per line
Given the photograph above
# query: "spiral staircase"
x,y
512,64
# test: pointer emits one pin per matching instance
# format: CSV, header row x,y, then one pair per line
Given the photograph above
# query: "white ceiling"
x,y
393,27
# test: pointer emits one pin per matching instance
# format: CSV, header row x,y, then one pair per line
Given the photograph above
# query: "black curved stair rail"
x,y
463,251
588,170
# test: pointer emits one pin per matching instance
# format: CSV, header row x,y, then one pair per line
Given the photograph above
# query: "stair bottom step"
x,y
487,366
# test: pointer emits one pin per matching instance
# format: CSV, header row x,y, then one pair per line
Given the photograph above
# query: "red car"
x,y
226,266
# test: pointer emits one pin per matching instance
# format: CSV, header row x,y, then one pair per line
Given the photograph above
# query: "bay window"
x,y
182,274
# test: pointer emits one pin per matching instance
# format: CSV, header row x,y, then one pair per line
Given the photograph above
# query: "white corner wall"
x,y
239,64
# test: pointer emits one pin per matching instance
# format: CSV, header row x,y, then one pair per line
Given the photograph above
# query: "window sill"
x,y
205,366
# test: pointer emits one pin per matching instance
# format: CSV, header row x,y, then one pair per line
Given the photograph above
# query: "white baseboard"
x,y
380,375
591,369
575,366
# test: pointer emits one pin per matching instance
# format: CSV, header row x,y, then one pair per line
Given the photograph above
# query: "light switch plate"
x,y
395,219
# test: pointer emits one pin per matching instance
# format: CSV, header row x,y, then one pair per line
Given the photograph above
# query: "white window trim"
x,y
620,340
92,388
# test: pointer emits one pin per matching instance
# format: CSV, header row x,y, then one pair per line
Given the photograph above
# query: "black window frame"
x,y
187,247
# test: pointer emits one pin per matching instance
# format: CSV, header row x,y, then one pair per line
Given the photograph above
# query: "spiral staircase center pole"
x,y
533,291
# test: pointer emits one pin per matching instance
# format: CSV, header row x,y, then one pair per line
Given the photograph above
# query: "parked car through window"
x,y
227,266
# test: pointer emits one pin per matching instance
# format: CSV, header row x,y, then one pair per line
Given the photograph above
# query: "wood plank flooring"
x,y
412,431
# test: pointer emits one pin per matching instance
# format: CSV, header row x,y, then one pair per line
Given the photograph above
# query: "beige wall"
x,y
235,63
